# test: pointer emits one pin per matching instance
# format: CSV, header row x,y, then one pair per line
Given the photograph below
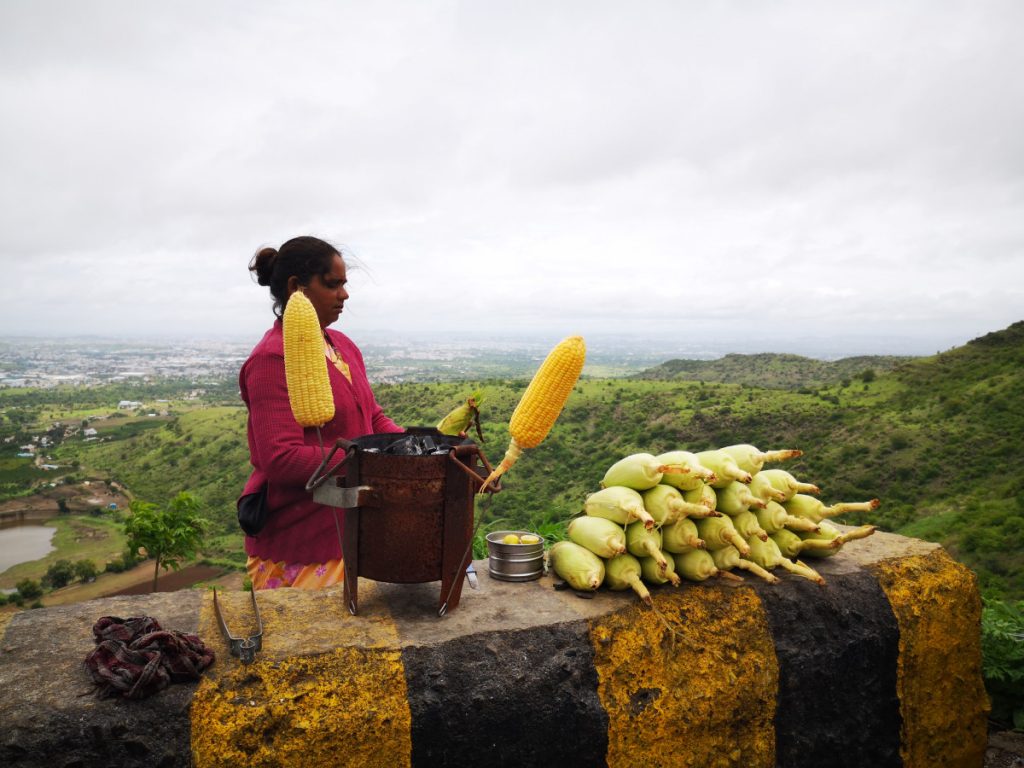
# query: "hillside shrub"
x,y
85,570
28,589
59,574
899,441
125,562
1002,647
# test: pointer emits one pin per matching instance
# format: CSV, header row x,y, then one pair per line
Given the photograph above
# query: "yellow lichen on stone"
x,y
300,621
942,699
348,707
5,619
700,694
327,688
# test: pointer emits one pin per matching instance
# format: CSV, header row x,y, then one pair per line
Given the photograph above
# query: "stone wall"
x,y
880,667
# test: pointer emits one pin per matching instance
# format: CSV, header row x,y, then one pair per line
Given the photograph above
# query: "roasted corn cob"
x,y
542,401
305,364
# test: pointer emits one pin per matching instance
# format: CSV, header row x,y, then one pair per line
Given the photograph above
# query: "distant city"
x,y
91,362
49,362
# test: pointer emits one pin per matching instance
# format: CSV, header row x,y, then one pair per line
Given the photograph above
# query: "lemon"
x,y
529,538
510,538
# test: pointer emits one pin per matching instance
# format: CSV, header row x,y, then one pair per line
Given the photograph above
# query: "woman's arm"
x,y
382,423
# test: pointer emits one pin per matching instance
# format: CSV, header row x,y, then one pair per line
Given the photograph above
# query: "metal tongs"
x,y
244,648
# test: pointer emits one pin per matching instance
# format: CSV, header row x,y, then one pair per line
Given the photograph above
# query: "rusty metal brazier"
x,y
408,518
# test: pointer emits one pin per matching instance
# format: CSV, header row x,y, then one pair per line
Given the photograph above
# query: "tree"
x,y
168,535
59,574
28,589
85,570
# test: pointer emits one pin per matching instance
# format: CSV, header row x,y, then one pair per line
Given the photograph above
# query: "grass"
x,y
936,527
105,584
18,471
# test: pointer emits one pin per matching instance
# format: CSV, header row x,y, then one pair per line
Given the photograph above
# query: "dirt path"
x,y
80,497
139,581
171,581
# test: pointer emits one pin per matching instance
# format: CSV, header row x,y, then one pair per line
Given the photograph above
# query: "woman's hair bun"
x,y
263,264
302,258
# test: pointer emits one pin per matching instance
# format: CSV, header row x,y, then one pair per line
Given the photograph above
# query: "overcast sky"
x,y
725,171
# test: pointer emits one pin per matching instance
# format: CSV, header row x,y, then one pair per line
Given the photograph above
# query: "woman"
x,y
300,544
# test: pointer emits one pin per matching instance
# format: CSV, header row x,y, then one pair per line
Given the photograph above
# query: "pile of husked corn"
x,y
658,519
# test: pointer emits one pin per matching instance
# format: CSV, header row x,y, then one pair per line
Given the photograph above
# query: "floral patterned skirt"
x,y
266,574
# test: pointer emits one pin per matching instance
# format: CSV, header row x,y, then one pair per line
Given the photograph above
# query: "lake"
x,y
24,543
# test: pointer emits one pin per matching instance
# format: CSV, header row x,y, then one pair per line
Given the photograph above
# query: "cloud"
x,y
742,169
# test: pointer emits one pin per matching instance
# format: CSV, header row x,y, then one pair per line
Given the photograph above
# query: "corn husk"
x,y
602,537
802,505
580,568
767,555
685,481
681,536
728,559
645,542
774,517
735,497
724,467
751,459
783,481
619,504
623,572
695,565
653,573
719,532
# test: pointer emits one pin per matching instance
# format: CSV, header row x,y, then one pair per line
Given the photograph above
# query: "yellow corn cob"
x,y
542,401
305,364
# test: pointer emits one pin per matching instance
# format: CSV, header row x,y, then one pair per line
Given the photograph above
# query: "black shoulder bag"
x,y
252,511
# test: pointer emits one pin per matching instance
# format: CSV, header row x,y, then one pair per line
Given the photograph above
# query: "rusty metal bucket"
x,y
408,518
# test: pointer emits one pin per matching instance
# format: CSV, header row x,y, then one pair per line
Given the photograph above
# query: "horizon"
x,y
781,176
825,348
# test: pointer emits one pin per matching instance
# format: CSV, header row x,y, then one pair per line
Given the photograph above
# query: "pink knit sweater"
x,y
284,455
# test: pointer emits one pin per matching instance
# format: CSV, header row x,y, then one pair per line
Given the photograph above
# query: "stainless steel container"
x,y
514,562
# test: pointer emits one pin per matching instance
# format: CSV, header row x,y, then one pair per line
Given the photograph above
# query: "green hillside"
x,y
936,439
202,451
775,371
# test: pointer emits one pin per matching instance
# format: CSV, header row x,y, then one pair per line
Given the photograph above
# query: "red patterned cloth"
x,y
136,657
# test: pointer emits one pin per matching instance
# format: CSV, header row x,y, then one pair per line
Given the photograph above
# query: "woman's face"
x,y
327,292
